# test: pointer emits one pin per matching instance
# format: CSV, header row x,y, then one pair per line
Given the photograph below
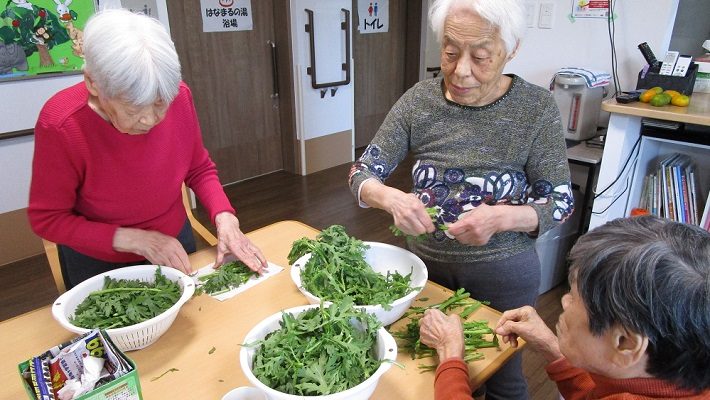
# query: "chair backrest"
x,y
50,248
197,226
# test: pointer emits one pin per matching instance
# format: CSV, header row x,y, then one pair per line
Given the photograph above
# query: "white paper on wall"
x,y
226,15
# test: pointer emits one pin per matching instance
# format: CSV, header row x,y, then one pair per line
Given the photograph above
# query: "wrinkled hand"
x,y
524,322
231,240
156,247
409,214
443,333
476,226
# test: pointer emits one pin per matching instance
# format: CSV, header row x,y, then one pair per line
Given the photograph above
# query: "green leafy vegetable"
x,y
224,279
476,333
124,302
337,269
433,214
211,350
318,352
163,374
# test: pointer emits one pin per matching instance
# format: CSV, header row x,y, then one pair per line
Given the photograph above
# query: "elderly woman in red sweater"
x,y
112,153
634,325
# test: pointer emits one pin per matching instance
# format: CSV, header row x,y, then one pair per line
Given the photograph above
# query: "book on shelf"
x,y
670,191
667,187
679,190
705,221
693,197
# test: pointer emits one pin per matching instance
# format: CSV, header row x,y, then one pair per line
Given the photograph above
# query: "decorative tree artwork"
x,y
42,36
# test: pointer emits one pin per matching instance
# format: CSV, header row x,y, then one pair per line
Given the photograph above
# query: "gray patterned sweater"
x,y
511,151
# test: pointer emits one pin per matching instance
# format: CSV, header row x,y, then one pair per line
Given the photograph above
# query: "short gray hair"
x,y
131,57
505,15
651,276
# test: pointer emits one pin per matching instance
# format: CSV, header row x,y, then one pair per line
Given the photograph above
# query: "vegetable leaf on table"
x,y
225,278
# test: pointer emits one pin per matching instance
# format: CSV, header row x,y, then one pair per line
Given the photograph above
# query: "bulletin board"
x,y
42,37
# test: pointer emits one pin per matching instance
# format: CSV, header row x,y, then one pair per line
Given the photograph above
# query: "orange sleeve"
x,y
572,382
451,382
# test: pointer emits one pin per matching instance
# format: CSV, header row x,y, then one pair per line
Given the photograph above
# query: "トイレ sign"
x,y
373,16
226,15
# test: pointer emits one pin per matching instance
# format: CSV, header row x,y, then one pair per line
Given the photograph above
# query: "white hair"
x,y
505,15
131,57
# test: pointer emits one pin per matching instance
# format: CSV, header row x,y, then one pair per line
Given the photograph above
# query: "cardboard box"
x,y
127,387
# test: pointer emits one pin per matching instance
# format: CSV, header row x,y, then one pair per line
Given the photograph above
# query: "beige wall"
x,y
17,241
328,151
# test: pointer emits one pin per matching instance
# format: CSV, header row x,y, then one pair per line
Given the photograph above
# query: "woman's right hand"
x,y
442,332
408,211
409,214
156,247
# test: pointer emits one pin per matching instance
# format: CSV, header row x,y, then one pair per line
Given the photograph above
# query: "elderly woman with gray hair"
x,y
490,163
634,325
112,153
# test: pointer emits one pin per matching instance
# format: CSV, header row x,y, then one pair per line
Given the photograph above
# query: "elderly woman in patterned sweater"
x,y
490,159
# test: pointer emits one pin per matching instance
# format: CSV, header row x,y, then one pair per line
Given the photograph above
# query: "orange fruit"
x,y
681,100
649,93
672,93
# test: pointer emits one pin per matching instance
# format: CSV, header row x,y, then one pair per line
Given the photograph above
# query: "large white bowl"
x,y
131,337
382,258
386,350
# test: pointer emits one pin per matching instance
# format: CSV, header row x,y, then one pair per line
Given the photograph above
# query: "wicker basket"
x,y
131,337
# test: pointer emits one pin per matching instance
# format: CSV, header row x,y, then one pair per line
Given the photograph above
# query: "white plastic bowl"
x,y
382,258
131,337
386,350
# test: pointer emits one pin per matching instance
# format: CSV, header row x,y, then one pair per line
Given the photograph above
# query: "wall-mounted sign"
x,y
226,15
590,9
147,7
373,16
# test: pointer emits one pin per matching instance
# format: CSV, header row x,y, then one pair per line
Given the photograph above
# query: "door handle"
x,y
274,70
311,40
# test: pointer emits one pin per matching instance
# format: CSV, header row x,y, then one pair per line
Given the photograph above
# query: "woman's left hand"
x,y
476,226
233,241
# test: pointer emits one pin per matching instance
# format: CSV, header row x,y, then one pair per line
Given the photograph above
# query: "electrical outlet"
x,y
547,12
530,14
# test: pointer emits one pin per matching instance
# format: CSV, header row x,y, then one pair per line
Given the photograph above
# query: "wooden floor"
x,y
319,200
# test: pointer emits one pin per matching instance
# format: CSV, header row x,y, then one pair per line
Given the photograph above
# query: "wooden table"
x,y
204,323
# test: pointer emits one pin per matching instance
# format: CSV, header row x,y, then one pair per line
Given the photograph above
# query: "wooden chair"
x,y
50,248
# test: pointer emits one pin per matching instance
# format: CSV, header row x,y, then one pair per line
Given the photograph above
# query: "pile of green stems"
x,y
473,331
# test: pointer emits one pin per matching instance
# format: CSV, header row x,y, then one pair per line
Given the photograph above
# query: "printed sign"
x,y
147,7
226,15
373,16
590,9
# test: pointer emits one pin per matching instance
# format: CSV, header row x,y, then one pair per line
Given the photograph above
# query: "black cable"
x,y
633,149
614,201
611,27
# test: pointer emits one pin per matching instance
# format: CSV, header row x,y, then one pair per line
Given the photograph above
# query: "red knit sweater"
x,y
577,384
452,383
88,178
